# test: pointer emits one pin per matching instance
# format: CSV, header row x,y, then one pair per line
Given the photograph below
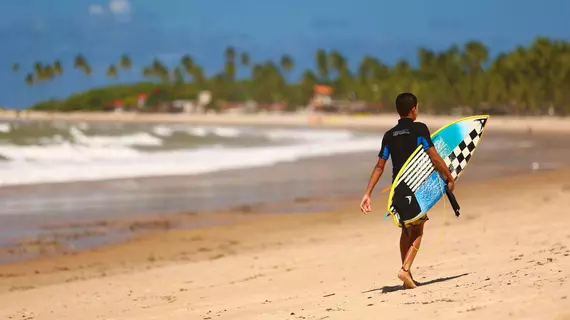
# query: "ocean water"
x,y
43,152
115,171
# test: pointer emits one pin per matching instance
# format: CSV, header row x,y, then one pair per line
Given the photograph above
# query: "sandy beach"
x,y
499,123
507,256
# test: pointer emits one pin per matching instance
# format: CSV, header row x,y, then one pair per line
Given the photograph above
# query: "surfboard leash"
x,y
444,214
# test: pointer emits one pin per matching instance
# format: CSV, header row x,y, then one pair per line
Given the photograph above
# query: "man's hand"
x,y
365,204
374,177
451,185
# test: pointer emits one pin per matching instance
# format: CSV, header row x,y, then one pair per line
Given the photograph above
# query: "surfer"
x,y
399,143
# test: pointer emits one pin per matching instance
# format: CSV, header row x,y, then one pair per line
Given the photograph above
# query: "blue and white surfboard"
x,y
418,185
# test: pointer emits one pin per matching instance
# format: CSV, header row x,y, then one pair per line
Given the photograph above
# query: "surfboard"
x,y
418,186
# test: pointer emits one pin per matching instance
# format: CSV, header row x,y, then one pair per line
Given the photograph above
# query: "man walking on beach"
x,y
399,143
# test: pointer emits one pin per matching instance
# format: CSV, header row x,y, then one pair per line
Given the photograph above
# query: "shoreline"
x,y
93,213
497,123
69,237
143,247
140,226
292,263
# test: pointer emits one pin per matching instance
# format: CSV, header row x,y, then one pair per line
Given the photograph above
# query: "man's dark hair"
x,y
405,102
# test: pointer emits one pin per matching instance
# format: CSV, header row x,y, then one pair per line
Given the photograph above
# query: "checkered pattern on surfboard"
x,y
456,161
460,156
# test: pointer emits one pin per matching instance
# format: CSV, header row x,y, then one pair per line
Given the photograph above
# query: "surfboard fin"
x,y
452,200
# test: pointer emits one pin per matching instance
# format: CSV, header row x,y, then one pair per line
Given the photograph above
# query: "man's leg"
x,y
415,241
405,244
416,233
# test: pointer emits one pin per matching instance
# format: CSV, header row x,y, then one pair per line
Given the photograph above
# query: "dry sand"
x,y
500,123
507,256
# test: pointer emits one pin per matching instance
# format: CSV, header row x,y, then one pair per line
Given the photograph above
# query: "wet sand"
x,y
506,256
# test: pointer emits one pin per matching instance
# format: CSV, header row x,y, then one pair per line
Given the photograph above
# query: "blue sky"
x,y
43,30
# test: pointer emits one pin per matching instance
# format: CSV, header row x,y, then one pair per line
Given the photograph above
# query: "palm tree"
x,y
198,76
269,84
343,79
160,70
365,69
427,59
48,72
39,75
498,78
148,72
245,60
309,79
178,76
402,75
475,55
15,68
188,64
57,68
287,64
112,71
322,65
29,79
338,62
79,62
230,66
125,62
230,54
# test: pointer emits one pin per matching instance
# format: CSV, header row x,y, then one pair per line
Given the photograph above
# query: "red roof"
x,y
322,89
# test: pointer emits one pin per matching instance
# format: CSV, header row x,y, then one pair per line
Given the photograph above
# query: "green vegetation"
x,y
527,80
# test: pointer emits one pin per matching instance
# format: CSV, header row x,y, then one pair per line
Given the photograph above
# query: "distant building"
x,y
322,97
187,106
276,107
204,98
118,106
141,100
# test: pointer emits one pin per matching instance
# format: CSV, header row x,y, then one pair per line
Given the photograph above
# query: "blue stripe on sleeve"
x,y
385,153
422,141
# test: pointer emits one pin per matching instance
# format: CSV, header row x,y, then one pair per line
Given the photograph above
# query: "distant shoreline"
x,y
497,123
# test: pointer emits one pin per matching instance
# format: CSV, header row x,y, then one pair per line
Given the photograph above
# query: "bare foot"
x,y
411,276
414,280
407,279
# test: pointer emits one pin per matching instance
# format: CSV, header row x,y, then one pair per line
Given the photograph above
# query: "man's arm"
x,y
383,156
375,176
